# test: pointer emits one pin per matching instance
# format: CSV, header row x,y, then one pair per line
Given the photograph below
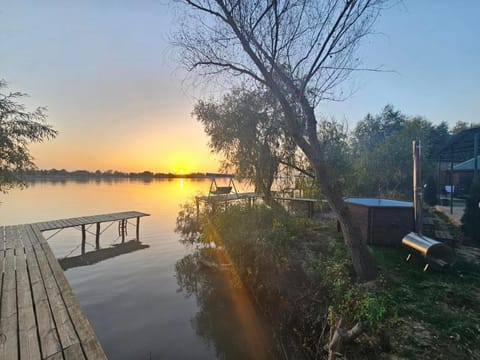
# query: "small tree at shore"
x,y
18,128
301,51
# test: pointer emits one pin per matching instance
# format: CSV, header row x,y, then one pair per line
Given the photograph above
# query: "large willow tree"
x,y
246,128
302,50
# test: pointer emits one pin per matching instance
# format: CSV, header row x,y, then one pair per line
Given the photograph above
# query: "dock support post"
x,y
138,229
123,231
97,237
84,239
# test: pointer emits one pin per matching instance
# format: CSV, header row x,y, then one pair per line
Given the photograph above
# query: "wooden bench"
x,y
221,190
40,317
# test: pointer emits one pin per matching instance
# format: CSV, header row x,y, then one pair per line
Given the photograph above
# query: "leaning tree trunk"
x,y
362,261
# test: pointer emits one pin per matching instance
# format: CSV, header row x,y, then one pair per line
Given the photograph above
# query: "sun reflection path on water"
x,y
256,339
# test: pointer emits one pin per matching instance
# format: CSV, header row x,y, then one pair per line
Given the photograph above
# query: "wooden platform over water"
x,y
40,317
87,220
251,196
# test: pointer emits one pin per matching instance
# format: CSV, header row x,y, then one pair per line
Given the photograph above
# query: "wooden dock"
x,y
87,220
251,197
83,222
40,317
310,202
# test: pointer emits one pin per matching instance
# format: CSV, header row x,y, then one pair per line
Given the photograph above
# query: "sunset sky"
x,y
105,70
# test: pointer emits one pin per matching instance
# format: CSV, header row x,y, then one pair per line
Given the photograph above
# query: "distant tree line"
x,y
54,173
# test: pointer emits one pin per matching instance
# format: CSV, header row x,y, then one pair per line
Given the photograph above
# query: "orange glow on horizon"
x,y
165,147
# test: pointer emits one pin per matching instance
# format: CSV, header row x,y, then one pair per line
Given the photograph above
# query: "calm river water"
x,y
134,301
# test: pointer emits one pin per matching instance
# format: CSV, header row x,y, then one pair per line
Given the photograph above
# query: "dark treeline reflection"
x,y
216,321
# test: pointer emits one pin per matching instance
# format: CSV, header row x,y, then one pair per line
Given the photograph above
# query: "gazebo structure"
x,y
457,164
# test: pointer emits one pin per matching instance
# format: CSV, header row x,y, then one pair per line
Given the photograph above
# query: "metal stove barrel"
x,y
431,249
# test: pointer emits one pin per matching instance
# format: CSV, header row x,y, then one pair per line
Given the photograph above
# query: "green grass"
x,y
442,305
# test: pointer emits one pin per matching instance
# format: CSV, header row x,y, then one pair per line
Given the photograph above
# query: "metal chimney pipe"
x,y
417,187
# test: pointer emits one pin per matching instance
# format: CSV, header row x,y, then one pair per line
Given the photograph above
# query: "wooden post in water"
x,y
97,237
84,239
138,229
197,201
123,231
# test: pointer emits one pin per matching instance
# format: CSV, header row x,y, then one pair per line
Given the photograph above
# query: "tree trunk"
x,y
342,335
362,261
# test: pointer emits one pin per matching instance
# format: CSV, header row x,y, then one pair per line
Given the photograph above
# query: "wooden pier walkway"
x,y
40,317
87,220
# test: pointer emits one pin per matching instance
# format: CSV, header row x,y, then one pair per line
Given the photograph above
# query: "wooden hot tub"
x,y
382,221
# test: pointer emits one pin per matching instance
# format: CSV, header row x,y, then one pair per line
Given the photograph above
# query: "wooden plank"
x,y
39,224
27,327
8,313
73,352
9,238
60,223
66,222
88,339
45,225
2,238
69,222
56,356
62,320
79,221
72,222
49,341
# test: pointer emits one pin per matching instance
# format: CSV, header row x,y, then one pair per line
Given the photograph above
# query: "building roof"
x,y
468,165
376,202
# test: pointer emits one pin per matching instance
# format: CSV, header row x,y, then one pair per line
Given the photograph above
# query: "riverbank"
x,y
298,272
